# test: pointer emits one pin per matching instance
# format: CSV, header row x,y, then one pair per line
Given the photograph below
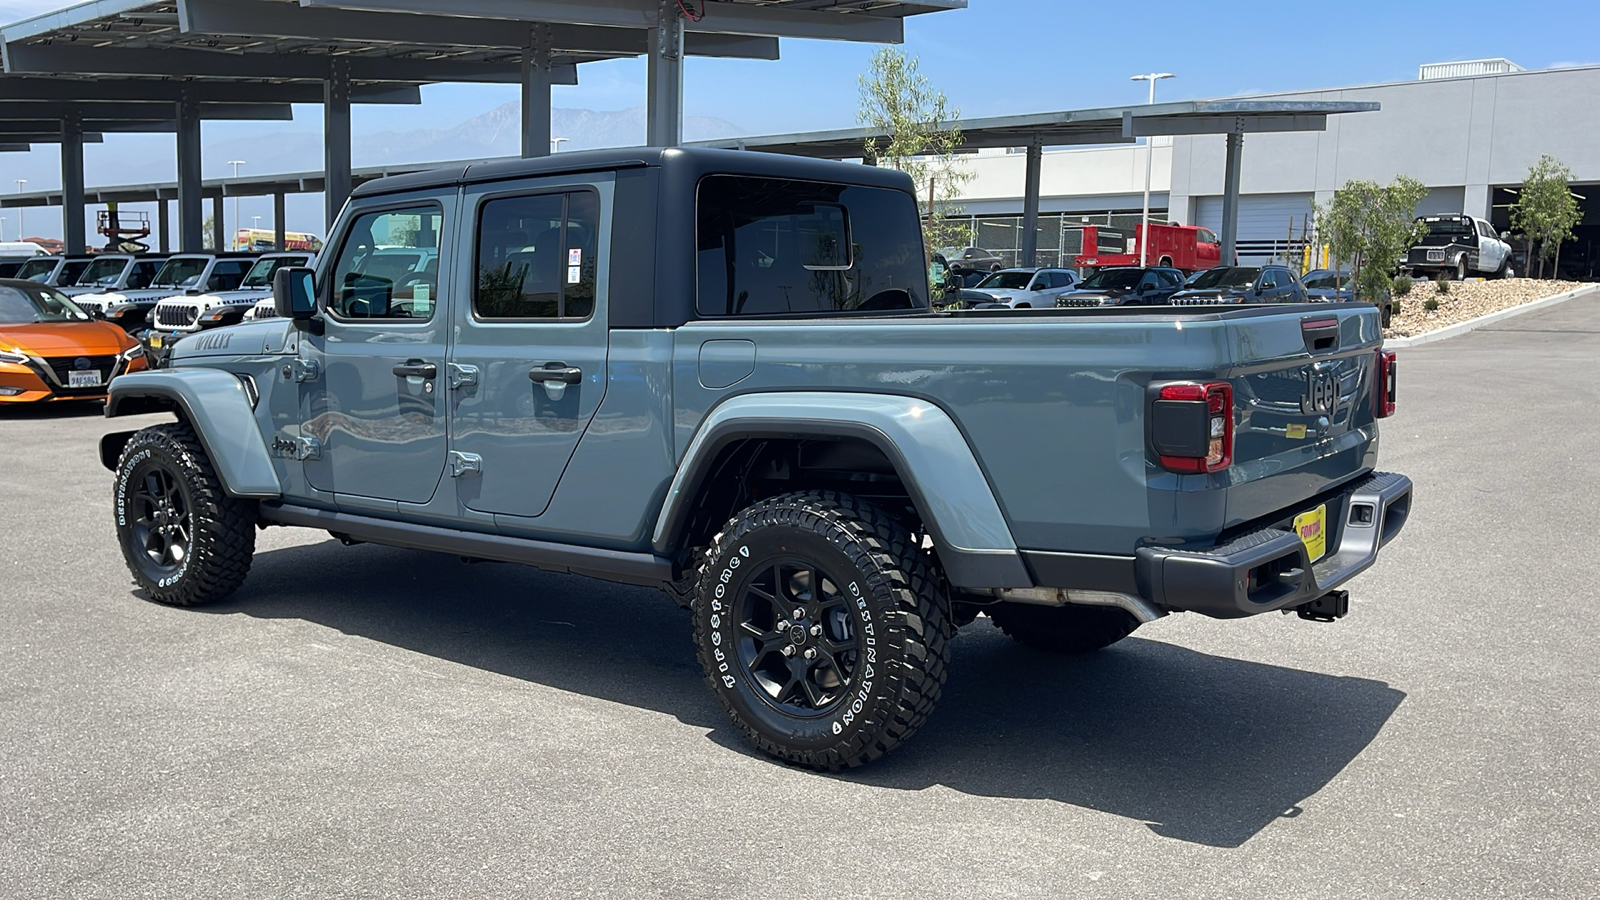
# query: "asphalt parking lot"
x,y
368,722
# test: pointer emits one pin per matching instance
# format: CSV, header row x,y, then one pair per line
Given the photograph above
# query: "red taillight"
x,y
1383,392
1192,427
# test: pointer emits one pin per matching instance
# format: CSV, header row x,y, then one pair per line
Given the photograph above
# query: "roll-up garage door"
x,y
1267,223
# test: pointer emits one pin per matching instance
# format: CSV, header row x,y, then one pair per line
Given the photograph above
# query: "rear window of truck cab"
x,y
776,247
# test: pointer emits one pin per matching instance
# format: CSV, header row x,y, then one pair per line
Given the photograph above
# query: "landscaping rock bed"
x,y
1467,300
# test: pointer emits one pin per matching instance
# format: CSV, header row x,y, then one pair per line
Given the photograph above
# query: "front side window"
x,y
71,271
1206,236
36,269
388,267
781,247
261,273
536,256
143,274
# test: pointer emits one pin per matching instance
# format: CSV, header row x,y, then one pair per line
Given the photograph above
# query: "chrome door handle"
x,y
416,369
556,371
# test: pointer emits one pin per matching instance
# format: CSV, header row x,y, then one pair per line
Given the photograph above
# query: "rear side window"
x,y
388,267
780,247
536,257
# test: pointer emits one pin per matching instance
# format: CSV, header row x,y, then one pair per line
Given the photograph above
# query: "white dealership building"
x,y
1469,131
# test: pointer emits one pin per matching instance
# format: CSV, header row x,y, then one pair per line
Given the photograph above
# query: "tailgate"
x,y
1303,401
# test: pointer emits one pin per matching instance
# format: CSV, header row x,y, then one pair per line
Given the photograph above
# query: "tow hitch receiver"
x,y
1330,606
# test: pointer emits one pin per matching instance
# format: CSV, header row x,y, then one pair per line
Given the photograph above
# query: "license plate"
x,y
90,378
1312,527
155,341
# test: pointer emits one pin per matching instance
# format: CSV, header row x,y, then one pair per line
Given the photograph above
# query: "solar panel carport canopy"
x,y
196,52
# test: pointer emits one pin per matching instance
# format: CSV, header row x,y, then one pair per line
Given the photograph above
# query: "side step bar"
x,y
609,565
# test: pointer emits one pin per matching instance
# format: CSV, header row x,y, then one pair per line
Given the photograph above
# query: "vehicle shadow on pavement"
x,y
1205,749
1202,748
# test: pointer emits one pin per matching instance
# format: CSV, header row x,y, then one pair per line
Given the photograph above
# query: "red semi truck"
x,y
1186,247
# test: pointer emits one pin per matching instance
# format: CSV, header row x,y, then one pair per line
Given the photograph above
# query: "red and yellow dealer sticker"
x,y
1313,531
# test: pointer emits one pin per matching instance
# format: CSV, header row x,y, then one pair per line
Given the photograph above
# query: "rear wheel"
x,y
1461,269
1063,629
184,539
1166,261
820,629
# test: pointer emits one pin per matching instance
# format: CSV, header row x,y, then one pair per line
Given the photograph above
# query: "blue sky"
x,y
1000,57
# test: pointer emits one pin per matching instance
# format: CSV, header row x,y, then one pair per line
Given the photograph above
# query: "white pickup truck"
x,y
1458,247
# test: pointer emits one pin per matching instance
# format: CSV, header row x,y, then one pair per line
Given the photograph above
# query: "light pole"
x,y
236,163
1149,161
22,228
555,144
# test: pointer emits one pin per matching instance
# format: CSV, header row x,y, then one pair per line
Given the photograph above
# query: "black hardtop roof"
x,y
695,161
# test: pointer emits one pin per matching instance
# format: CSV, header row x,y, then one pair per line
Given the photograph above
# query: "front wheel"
x,y
820,629
184,539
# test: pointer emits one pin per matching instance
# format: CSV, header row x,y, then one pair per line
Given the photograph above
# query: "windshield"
x,y
1010,281
37,269
1111,279
180,271
261,273
20,306
1326,281
1230,276
103,271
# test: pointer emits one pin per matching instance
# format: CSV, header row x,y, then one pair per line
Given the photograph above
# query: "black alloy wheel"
x,y
820,626
162,525
799,643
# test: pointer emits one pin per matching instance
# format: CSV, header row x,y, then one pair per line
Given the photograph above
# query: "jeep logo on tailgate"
x,y
1322,393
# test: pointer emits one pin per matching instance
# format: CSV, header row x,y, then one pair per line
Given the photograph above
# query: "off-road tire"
x,y
885,597
1063,629
219,537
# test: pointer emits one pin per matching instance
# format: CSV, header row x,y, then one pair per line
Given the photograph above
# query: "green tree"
x,y
922,135
1371,225
207,231
1545,210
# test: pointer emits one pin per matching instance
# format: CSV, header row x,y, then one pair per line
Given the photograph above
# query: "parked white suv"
x,y
186,313
1458,247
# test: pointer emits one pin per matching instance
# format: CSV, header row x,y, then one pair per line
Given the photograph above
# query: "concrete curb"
x,y
1451,331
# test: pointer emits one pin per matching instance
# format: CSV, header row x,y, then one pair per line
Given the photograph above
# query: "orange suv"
x,y
51,349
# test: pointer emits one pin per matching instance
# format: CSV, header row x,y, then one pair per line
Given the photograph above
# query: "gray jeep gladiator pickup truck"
x,y
718,373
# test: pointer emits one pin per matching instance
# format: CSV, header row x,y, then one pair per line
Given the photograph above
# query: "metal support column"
x,y
219,233
164,226
336,138
665,73
279,242
191,220
536,93
1030,204
72,211
1230,201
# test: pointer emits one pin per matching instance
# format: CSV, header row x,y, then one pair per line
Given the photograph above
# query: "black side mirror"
x,y
294,293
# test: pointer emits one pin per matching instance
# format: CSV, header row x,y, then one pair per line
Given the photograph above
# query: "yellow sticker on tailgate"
x,y
1313,532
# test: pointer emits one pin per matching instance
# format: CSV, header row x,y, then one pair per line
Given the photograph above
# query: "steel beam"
x,y
31,88
95,112
72,206
664,74
336,139
219,227
257,18
82,60
536,93
721,18
15,148
190,217
164,225
1030,203
1134,125
279,227
1230,200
